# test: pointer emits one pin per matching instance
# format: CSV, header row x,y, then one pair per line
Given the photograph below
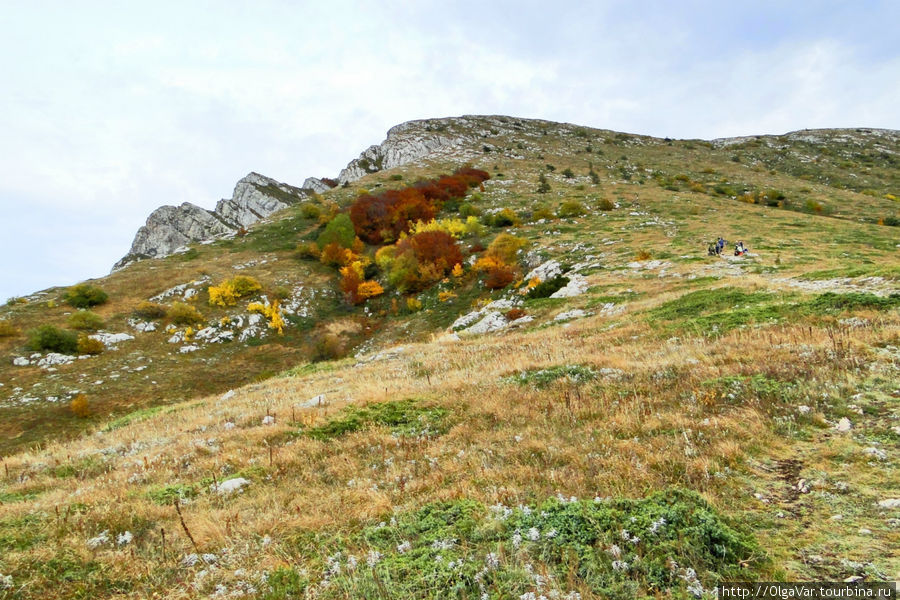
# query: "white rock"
x,y
318,400
111,339
876,452
548,270
54,358
493,321
577,285
188,348
889,503
227,395
21,361
230,486
575,313
844,425
268,420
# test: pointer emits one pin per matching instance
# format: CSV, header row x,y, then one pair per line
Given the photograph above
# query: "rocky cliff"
x,y
169,228
256,197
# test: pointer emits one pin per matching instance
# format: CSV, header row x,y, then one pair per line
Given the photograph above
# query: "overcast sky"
x,y
111,109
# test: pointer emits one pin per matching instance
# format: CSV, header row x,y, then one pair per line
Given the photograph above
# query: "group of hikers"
x,y
717,248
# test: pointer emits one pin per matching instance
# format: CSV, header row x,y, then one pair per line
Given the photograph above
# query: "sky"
x,y
111,109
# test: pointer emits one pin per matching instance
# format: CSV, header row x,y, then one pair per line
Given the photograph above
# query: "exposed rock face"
x,y
405,143
315,184
171,227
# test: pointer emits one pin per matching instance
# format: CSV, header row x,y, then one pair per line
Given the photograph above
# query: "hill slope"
x,y
765,383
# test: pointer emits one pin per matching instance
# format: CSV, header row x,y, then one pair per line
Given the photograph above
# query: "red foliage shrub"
x,y
383,217
423,259
499,276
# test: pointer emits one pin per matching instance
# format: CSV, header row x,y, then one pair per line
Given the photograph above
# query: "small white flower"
x,y
619,565
551,534
516,539
492,560
404,547
533,534
351,563
615,551
6,582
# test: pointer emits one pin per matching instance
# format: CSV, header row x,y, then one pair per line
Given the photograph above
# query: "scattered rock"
x,y
575,313
889,503
844,425
577,285
230,486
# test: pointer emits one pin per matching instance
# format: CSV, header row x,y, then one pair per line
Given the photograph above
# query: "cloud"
x,y
116,109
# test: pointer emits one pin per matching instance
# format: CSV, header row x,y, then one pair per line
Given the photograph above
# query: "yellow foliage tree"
x,y
457,270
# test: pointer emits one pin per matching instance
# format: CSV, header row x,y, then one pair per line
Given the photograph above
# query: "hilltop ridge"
x,y
497,358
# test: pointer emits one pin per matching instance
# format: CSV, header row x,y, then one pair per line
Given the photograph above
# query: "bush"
x,y
333,255
79,406
308,210
515,313
506,247
545,289
571,208
7,329
52,339
568,173
181,313
542,213
229,291
423,259
88,345
85,320
328,347
308,250
543,184
338,231
467,209
606,204
149,310
85,295
503,218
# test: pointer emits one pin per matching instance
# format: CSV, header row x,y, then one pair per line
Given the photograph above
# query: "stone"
x,y
548,270
577,285
230,486
170,228
21,361
493,321
889,503
405,143
315,184
844,425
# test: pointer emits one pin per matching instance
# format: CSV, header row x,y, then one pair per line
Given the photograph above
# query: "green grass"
x,y
619,548
543,378
164,495
403,417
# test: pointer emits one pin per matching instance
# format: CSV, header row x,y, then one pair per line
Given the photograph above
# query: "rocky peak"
x,y
408,142
169,228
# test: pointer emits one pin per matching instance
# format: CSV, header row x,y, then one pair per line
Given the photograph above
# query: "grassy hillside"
x,y
686,419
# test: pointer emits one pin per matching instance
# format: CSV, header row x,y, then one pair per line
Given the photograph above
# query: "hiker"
x,y
712,249
739,249
721,245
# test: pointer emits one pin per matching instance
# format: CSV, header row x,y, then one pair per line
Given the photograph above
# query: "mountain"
x,y
552,389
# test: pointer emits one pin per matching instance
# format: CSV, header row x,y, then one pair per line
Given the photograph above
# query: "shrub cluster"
x,y
85,320
85,295
52,339
229,291
384,216
182,313
419,260
7,329
149,310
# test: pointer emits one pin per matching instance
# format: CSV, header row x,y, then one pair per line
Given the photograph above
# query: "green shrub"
x,y
52,339
338,231
403,417
568,173
85,320
542,213
149,310
181,313
467,209
542,378
547,288
571,208
503,218
308,210
543,184
328,347
85,295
